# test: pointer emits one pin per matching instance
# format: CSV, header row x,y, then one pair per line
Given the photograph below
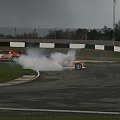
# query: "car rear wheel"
x,y
78,66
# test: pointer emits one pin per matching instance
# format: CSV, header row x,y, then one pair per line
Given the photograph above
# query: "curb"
x,y
59,111
20,80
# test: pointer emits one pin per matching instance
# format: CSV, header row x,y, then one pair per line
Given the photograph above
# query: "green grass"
x,y
61,117
97,53
17,49
10,71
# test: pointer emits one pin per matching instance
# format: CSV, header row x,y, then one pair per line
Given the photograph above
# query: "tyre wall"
x,y
76,44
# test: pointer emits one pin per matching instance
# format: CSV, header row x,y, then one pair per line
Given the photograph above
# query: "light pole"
x,y
114,4
68,33
55,32
15,32
35,34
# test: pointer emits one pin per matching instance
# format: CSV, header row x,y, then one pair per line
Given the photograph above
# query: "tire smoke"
x,y
35,59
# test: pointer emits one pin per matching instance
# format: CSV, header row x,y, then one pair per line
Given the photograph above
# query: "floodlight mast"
x,y
114,5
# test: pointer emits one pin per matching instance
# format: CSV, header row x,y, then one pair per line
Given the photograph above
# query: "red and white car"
x,y
9,55
76,64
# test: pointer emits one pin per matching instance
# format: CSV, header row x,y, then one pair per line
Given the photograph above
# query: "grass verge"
x,y
61,117
10,71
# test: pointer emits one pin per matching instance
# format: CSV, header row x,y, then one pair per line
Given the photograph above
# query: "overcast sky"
x,y
58,13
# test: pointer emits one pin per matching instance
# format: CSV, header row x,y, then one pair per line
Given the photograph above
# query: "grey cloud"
x,y
57,13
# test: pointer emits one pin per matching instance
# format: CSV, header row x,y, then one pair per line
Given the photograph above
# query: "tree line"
x,y
104,33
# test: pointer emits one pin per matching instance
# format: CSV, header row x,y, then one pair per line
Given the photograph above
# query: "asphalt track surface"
x,y
96,88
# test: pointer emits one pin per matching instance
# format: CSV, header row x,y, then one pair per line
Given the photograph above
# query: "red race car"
x,y
9,55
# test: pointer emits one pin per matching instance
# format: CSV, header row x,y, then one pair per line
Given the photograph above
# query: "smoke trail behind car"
x,y
35,59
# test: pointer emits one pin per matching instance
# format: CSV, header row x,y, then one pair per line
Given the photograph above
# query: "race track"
x,y
96,88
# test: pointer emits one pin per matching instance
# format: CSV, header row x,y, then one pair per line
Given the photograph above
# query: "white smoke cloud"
x,y
35,59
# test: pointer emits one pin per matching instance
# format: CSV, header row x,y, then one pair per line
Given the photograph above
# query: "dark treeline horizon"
x,y
104,33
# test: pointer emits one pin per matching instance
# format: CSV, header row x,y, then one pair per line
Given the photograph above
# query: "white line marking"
x,y
61,111
38,74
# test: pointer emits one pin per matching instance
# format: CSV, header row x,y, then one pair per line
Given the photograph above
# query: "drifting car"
x,y
68,62
77,64
9,55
